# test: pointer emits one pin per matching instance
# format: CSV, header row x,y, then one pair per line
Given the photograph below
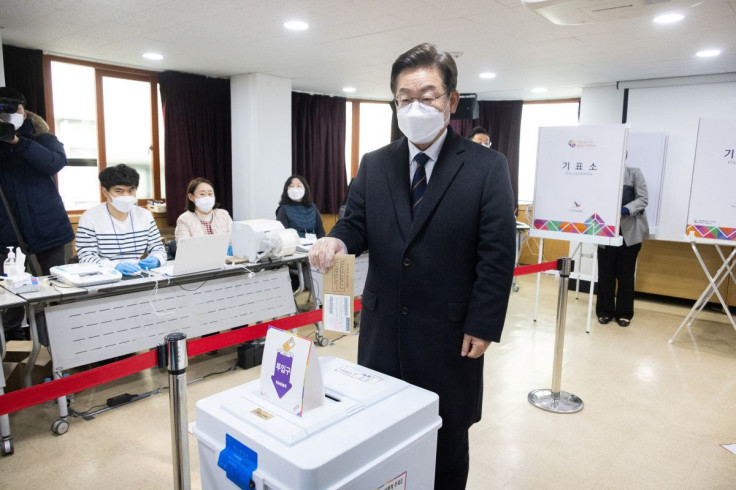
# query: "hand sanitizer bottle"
x,y
9,264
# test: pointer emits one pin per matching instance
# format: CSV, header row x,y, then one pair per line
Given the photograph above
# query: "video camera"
x,y
8,105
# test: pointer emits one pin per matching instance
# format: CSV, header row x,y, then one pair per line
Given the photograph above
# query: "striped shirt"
x,y
104,240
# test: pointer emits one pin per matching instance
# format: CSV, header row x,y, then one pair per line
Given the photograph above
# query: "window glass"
x,y
375,127
348,139
75,124
127,110
125,134
534,116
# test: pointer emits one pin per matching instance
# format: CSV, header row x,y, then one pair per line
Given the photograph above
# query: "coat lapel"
x,y
397,176
445,168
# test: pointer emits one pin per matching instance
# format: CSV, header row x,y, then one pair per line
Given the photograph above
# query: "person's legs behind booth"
x,y
605,306
625,273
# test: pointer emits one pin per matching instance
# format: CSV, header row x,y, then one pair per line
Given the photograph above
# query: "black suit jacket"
x,y
433,279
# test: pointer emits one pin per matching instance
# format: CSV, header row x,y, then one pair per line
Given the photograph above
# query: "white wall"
x,y
601,105
672,106
261,143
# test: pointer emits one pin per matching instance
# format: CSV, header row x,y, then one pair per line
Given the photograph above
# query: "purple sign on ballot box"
x,y
282,373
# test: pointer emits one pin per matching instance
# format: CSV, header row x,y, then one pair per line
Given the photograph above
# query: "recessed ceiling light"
x,y
349,89
296,25
539,90
487,75
668,18
153,56
708,53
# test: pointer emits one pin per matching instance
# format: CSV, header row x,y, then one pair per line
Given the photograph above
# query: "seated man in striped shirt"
x,y
118,233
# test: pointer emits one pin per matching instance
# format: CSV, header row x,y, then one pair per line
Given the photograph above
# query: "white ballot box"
x,y
372,431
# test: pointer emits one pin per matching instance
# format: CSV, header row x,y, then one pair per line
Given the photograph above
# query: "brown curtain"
x,y
318,147
502,120
24,71
197,140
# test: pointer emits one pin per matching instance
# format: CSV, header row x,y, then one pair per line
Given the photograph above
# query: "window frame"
x,y
355,133
113,71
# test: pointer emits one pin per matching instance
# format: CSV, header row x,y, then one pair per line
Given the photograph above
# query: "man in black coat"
x,y
29,160
440,230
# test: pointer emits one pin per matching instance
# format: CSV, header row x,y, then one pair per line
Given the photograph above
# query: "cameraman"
x,y
30,156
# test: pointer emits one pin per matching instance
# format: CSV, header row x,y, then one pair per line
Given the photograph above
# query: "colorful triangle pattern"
x,y
591,226
713,232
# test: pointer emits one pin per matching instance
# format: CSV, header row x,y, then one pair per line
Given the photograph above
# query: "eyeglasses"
x,y
426,99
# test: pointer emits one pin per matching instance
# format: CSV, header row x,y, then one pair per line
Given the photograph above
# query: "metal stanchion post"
x,y
555,400
176,347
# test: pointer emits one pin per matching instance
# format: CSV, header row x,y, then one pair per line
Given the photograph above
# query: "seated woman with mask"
x,y
117,233
296,209
201,216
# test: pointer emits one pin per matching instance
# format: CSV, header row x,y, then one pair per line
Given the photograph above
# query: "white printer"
x,y
260,238
373,431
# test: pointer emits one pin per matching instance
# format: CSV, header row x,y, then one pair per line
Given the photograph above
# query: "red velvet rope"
x,y
28,397
534,268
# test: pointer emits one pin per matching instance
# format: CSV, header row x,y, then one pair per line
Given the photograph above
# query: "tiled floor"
x,y
655,413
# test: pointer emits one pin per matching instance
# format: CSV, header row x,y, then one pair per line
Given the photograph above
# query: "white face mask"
x,y
15,119
205,204
420,122
295,193
124,203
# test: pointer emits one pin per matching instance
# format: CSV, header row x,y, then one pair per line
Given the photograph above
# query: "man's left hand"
x,y
473,347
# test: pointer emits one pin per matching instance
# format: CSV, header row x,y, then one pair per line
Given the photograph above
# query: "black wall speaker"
x,y
467,108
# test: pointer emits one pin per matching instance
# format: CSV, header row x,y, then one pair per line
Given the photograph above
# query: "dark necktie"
x,y
418,183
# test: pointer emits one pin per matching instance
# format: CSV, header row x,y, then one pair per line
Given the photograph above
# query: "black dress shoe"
x,y
623,322
604,319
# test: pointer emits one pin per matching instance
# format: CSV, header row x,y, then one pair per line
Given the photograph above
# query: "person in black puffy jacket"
x,y
28,163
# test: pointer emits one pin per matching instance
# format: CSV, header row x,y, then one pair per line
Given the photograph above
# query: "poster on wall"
x,y
711,213
577,194
648,153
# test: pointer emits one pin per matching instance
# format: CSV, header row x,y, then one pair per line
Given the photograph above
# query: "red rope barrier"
x,y
27,397
534,268
34,395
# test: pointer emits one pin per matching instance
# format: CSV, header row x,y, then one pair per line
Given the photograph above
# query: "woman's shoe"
x,y
623,322
604,319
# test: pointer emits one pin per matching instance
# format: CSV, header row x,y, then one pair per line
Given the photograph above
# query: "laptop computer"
x,y
197,254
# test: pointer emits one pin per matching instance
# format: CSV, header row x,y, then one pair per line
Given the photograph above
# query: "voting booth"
x,y
317,424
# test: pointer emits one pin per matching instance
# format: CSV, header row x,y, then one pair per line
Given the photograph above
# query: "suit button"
x,y
407,262
404,310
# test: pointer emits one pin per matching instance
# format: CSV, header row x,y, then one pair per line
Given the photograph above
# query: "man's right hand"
x,y
323,251
128,268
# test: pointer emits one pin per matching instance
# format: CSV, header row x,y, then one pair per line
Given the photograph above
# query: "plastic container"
x,y
373,431
9,264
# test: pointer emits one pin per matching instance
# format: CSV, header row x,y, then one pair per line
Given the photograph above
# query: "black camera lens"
x,y
7,131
